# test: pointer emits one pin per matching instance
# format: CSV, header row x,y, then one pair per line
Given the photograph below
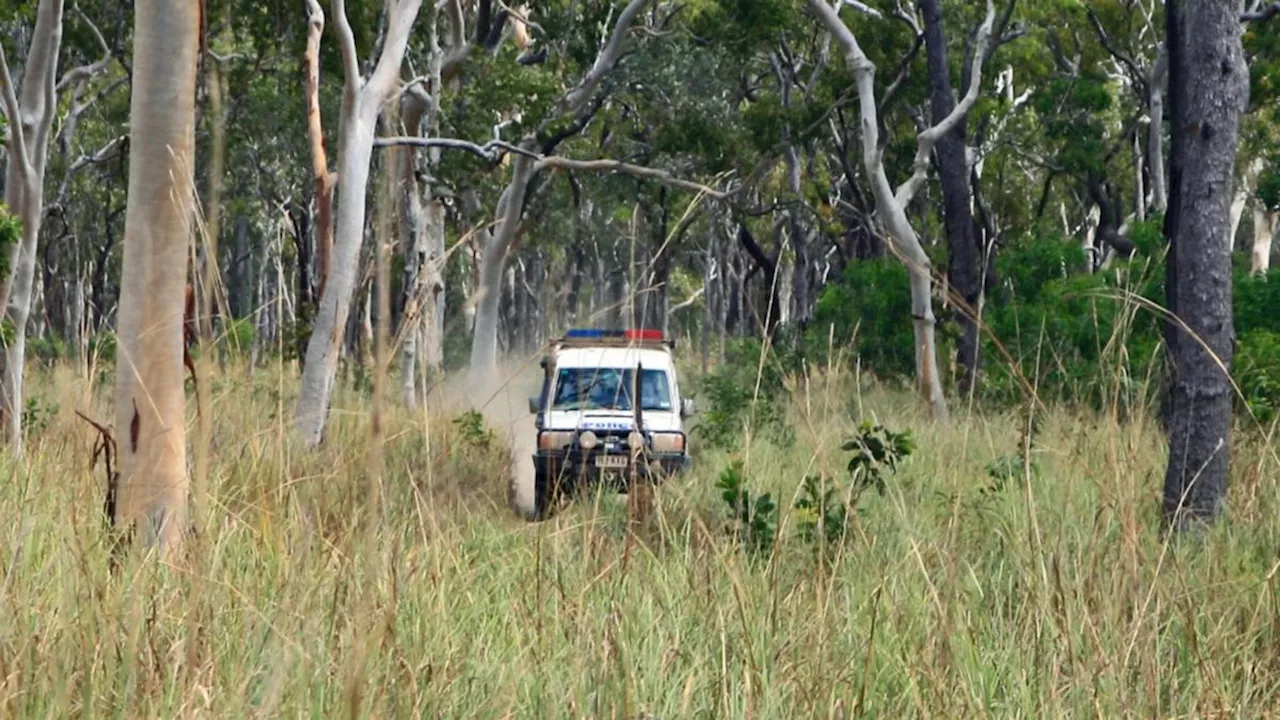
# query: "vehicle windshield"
x,y
609,389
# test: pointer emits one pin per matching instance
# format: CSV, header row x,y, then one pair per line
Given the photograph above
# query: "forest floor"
x,y
1050,593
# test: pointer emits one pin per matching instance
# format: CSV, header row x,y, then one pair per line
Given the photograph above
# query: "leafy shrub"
x,y
820,512
1257,373
870,307
753,522
824,507
472,430
876,450
36,415
742,393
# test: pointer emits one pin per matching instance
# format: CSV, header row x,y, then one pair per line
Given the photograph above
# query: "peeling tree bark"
x,y
1209,85
323,179
149,370
361,103
892,205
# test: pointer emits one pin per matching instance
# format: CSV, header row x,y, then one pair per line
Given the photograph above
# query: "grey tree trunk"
x,y
1209,88
953,173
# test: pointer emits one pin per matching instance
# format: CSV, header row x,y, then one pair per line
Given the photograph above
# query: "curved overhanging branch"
x,y
493,151
637,171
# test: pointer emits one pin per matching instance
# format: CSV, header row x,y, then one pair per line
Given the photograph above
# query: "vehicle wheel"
x,y
548,493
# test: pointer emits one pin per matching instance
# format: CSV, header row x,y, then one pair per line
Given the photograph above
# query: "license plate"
x,y
611,461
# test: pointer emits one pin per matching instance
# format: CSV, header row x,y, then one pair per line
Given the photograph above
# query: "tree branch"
x,y
1138,75
687,301
1262,15
927,139
638,171
84,72
17,143
400,22
605,60
105,153
347,45
490,151
862,8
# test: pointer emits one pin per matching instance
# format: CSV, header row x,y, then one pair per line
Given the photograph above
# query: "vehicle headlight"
x,y
668,442
588,440
635,439
554,440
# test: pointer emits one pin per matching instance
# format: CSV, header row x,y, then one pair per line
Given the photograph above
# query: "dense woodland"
x,y
977,198
974,299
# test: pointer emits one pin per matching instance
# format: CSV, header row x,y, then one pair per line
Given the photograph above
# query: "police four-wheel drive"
x,y
589,427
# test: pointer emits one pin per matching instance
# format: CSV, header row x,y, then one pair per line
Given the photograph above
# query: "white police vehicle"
x,y
586,415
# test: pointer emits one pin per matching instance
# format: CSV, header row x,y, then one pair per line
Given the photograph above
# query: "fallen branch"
x,y
105,447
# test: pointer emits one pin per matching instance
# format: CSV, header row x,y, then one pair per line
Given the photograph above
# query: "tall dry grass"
x,y
1054,596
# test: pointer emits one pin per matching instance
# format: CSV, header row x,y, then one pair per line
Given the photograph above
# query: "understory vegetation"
x,y
906,568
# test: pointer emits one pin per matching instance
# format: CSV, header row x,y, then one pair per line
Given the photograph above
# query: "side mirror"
x,y
687,408
533,405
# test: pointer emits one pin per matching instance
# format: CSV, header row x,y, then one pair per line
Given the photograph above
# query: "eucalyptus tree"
x,y
30,112
1209,93
892,204
363,98
150,401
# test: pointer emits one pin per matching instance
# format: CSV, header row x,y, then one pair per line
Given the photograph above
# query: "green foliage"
x,y
744,394
10,231
239,335
876,452
473,431
754,522
1073,111
1257,373
870,307
821,514
36,415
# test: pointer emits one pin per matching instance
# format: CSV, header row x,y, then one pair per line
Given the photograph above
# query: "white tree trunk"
x,y
1155,136
30,118
484,343
150,418
1244,191
1264,231
362,101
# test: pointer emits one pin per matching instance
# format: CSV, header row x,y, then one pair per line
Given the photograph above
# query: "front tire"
x,y
548,492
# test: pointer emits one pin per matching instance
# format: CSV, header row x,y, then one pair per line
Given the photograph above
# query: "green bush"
x,y
868,308
744,394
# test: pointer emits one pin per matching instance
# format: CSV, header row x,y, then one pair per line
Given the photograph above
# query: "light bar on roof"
x,y
596,334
